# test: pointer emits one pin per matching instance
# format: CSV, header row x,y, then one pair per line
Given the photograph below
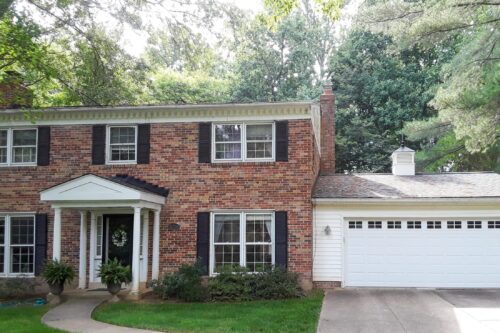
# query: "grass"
x,y
24,319
293,315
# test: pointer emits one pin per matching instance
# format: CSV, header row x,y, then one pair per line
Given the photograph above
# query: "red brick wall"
x,y
327,105
193,187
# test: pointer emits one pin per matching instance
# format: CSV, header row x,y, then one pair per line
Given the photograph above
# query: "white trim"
x,y
108,145
136,240
93,236
393,201
156,246
7,245
162,114
242,235
10,147
82,271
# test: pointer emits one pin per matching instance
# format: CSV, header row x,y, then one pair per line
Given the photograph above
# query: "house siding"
x,y
194,187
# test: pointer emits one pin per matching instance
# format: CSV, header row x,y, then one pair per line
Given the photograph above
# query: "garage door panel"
x,y
452,258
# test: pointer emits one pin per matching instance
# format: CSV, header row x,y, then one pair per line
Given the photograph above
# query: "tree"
x,y
378,89
468,99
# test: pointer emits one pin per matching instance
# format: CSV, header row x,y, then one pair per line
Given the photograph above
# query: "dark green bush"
x,y
113,272
56,272
185,284
239,285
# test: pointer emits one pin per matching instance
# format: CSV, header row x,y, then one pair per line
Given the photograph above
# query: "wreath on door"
x,y
119,237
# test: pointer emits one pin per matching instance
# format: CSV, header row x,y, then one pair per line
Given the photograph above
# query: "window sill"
x,y
121,163
23,165
17,275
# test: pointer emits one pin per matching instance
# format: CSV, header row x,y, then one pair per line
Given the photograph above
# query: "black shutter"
x,y
281,239
143,146
203,240
282,141
98,144
204,142
40,242
43,150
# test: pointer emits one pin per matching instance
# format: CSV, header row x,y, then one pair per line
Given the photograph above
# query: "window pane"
x,y
24,137
123,153
122,134
260,132
227,229
2,230
259,149
22,258
227,150
2,254
21,230
227,133
226,257
258,229
3,138
259,257
98,239
24,154
3,155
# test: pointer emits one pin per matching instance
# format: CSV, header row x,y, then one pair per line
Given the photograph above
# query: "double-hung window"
x,y
122,144
243,142
17,245
18,146
242,240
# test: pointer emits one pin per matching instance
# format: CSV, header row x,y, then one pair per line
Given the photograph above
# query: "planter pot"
x,y
56,289
114,288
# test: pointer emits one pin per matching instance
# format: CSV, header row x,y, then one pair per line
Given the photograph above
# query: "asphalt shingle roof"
x,y
139,184
440,185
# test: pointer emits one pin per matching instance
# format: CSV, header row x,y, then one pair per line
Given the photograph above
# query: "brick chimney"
x,y
13,94
327,107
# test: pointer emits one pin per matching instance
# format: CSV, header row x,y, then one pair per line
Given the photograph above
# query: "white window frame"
x,y
108,145
242,241
8,246
10,147
243,142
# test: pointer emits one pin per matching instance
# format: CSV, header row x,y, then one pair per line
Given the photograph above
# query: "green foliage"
x,y
239,285
280,9
55,272
170,87
185,284
378,89
113,272
23,319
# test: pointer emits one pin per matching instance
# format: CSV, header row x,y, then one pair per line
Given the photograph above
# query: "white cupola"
x,y
403,162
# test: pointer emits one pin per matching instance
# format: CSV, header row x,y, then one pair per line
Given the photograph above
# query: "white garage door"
x,y
446,254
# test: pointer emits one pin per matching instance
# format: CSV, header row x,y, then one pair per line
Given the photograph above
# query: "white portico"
x,y
119,205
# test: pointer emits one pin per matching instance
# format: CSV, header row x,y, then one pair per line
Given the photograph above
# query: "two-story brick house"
x,y
158,186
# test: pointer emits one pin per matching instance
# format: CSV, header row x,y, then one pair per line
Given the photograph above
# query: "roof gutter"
x,y
379,201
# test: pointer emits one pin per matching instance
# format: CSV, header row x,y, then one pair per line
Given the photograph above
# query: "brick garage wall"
x,y
194,187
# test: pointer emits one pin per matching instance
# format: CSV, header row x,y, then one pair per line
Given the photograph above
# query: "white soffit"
x,y
91,188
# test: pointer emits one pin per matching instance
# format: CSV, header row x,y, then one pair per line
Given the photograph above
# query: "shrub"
x,y
113,272
239,285
55,272
185,284
18,287
231,285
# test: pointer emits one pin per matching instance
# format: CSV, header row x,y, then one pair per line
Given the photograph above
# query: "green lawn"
x,y
295,315
24,319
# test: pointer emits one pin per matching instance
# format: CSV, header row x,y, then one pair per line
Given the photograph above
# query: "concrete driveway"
x,y
410,310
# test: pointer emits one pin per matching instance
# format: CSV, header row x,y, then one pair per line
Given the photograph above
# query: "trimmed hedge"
x,y
229,285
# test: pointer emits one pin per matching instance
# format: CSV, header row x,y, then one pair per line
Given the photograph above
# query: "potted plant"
x,y
56,274
113,274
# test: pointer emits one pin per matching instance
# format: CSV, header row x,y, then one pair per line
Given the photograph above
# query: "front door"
x,y
119,230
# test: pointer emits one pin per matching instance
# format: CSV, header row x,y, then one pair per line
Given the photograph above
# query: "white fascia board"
x,y
406,201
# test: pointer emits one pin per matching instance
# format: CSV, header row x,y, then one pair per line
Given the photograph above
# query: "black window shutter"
x,y
203,240
281,239
204,142
282,141
98,144
40,241
43,149
143,146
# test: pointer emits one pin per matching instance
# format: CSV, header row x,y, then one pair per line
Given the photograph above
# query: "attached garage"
x,y
428,230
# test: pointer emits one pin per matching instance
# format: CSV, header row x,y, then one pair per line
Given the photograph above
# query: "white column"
x,y
82,271
145,246
155,266
93,234
56,242
136,243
